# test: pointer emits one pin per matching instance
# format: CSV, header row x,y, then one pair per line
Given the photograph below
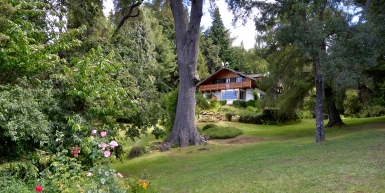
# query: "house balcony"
x,y
226,86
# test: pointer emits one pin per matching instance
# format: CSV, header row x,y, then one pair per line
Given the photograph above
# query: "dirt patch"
x,y
237,140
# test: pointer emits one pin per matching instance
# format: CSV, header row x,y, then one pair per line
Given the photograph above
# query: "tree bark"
x,y
319,85
184,130
334,116
319,80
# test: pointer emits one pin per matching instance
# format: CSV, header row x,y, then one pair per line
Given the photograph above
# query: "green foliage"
x,y
372,111
239,104
218,132
24,124
19,170
208,126
136,151
11,184
24,51
255,95
222,102
304,114
202,103
252,109
165,52
202,69
352,104
211,53
221,37
254,63
237,111
228,116
213,102
270,117
251,103
251,119
171,102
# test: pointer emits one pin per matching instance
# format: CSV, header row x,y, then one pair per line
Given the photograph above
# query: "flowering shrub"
x,y
38,188
65,173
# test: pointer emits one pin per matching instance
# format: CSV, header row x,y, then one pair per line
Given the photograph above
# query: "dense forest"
x,y
72,78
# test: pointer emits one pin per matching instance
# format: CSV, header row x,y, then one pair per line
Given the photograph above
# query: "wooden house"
x,y
227,84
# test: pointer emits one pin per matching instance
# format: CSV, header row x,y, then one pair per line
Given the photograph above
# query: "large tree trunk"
x,y
334,116
184,130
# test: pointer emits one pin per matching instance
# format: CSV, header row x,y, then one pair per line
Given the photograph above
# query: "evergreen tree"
x,y
165,51
314,29
211,54
134,46
221,37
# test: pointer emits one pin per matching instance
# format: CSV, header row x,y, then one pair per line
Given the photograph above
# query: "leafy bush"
x,y
270,117
136,151
228,116
171,102
305,114
251,103
236,111
202,102
214,102
223,102
372,111
239,104
252,109
251,119
208,126
222,132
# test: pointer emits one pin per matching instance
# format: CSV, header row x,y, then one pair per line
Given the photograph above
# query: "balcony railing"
x,y
225,86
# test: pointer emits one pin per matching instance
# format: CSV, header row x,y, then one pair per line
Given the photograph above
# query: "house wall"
x,y
249,94
224,74
216,94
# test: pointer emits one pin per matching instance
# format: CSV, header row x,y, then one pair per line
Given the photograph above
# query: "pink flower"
x,y
89,174
103,133
104,146
76,152
113,144
120,175
38,188
107,153
94,132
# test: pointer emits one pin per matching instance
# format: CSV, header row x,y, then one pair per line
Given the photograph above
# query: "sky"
x,y
239,32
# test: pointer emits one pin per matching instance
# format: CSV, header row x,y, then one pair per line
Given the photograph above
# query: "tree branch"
x,y
128,15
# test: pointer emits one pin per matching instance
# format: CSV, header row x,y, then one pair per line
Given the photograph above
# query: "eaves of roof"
x,y
225,68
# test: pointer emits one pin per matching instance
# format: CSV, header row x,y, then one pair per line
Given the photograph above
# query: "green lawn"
x,y
281,159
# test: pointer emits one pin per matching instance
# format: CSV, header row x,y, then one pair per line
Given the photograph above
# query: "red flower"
x,y
38,188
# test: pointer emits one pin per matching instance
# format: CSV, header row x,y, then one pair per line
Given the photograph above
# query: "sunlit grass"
x,y
285,159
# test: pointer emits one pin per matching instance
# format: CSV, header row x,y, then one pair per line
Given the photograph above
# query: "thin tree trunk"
x,y
319,84
319,81
184,130
334,116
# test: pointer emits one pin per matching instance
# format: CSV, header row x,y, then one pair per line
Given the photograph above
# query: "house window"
x,y
242,94
239,79
227,80
230,95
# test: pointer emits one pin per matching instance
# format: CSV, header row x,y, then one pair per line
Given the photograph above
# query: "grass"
x,y
285,159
